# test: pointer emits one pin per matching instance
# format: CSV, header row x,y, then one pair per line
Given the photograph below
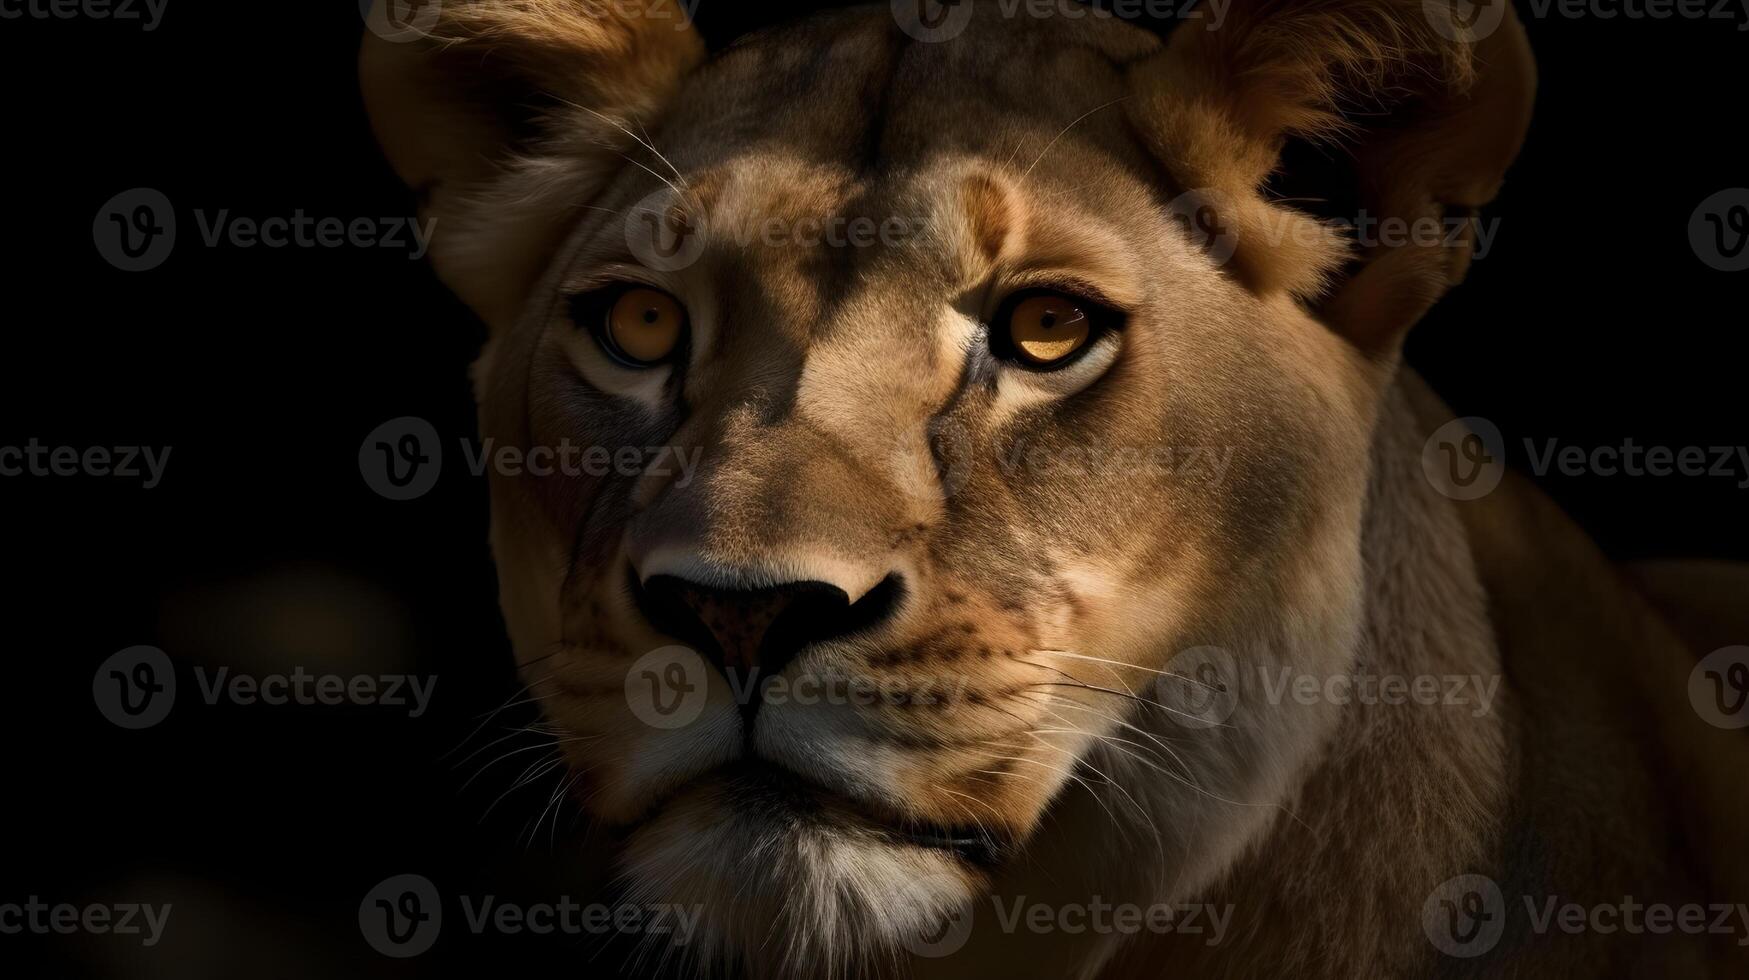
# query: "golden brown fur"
x,y
854,429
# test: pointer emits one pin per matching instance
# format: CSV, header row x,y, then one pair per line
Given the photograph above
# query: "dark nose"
x,y
752,634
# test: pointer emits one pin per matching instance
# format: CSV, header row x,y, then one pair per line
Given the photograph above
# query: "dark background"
x,y
1593,320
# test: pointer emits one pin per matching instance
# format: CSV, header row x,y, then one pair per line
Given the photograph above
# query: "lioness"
x,y
1054,491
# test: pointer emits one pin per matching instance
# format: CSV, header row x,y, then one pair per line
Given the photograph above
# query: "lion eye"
x,y
643,326
1046,329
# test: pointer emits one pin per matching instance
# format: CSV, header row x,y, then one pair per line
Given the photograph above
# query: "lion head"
x,y
930,416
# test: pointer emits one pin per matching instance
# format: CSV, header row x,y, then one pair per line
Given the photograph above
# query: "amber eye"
x,y
1047,328
643,326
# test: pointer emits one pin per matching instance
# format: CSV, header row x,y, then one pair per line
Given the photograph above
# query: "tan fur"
x,y
852,427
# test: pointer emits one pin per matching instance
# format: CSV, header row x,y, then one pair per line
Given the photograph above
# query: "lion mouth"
x,y
971,845
763,786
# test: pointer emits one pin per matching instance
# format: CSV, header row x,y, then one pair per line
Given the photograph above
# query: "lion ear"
x,y
506,117
1427,109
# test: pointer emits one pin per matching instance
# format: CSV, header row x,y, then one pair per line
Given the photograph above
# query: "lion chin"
x,y
785,883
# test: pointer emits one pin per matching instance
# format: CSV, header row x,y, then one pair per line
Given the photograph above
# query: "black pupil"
x,y
1048,321
651,315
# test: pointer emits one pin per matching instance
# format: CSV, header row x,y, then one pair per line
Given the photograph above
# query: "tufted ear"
x,y
1426,101
508,116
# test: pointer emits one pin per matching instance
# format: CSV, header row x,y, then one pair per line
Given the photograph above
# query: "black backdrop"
x,y
1591,321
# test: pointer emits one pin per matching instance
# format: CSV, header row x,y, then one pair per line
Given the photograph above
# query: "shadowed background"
x,y
1591,321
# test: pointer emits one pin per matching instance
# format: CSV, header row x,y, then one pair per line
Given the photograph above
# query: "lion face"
x,y
913,573
930,439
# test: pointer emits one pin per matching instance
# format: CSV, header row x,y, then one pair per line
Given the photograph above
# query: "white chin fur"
x,y
787,891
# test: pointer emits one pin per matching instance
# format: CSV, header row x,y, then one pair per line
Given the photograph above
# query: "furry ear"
x,y
1428,108
507,116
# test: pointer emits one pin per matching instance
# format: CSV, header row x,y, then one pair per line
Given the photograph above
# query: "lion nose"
x,y
753,634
